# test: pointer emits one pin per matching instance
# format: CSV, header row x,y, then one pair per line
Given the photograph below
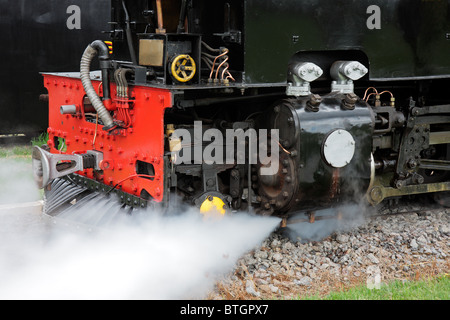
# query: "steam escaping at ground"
x,y
351,216
147,256
16,182
139,256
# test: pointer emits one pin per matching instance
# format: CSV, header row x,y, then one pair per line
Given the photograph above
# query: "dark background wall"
x,y
34,38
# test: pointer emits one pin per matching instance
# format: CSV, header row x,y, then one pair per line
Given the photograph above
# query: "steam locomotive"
x,y
347,99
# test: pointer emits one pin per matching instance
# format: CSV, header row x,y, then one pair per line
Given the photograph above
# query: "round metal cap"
x,y
338,148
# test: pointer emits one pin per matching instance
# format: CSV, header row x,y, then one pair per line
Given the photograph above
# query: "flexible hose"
x,y
85,65
104,59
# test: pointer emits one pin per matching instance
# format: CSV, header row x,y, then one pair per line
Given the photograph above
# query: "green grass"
x,y
19,151
429,289
40,140
23,149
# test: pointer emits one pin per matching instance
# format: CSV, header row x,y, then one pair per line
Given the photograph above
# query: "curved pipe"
x,y
100,48
103,56
117,78
123,75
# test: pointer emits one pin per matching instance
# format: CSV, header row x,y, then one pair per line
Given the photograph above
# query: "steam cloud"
x,y
138,257
16,182
144,256
353,215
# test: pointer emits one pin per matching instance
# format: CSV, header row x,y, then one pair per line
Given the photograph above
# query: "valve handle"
x,y
183,68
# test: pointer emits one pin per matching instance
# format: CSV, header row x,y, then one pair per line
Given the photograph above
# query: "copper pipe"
x,y
214,63
223,72
160,17
230,76
367,90
220,66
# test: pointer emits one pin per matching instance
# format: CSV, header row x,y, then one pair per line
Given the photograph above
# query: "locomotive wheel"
x,y
278,189
183,68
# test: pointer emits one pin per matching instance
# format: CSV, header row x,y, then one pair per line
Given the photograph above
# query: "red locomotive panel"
x,y
142,142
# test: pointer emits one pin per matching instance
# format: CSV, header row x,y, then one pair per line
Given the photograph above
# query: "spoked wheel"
x,y
182,68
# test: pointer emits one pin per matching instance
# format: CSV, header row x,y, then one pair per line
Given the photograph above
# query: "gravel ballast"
x,y
372,253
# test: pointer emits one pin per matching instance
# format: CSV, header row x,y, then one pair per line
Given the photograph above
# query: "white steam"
x,y
340,219
16,182
139,257
136,257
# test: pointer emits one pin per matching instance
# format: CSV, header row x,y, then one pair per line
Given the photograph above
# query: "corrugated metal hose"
x,y
96,47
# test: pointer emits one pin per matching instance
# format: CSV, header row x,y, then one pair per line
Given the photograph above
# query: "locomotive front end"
x,y
206,104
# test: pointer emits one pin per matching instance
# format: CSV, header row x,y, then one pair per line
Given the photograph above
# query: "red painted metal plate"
x,y
142,141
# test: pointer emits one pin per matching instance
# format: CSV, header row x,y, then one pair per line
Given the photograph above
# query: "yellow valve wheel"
x,y
183,68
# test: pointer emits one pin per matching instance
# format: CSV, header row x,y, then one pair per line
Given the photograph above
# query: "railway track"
x,y
71,204
398,206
